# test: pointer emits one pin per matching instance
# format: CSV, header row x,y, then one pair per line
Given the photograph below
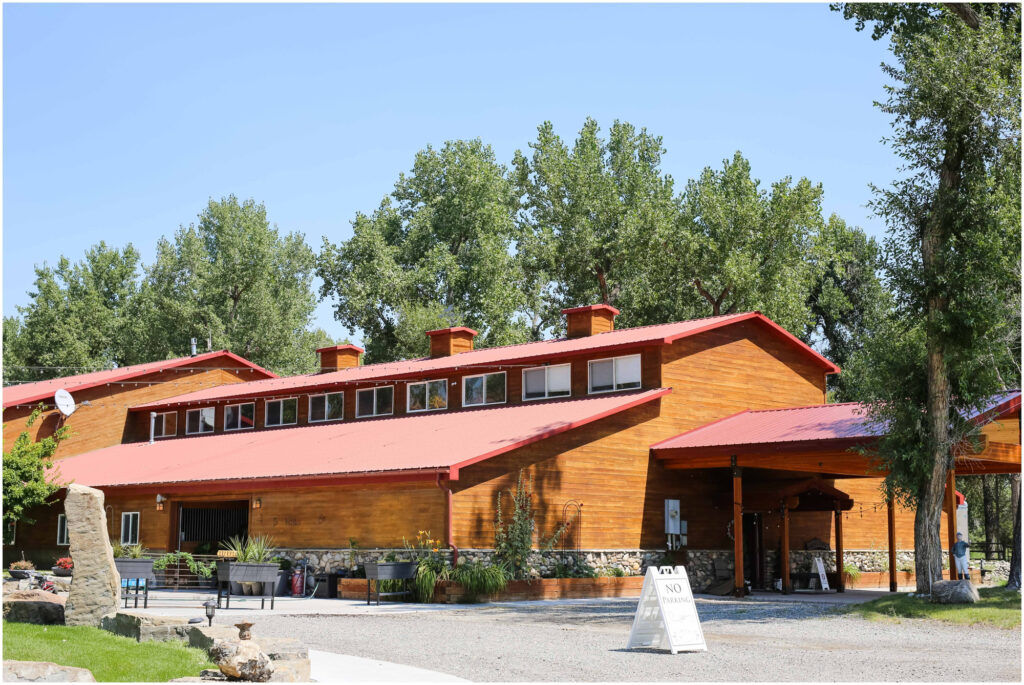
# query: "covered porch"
x,y
787,461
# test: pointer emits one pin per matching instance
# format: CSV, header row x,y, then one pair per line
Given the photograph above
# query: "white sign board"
x,y
821,573
666,616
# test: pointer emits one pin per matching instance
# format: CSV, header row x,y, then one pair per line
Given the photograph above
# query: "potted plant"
x,y
130,562
64,567
252,567
21,569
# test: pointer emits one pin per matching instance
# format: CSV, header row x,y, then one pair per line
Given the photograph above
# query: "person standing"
x,y
960,548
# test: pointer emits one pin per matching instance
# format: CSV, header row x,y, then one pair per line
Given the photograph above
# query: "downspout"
x,y
152,426
447,490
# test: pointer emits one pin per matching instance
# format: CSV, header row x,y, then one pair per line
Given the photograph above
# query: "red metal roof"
x,y
845,422
440,442
798,424
42,390
491,356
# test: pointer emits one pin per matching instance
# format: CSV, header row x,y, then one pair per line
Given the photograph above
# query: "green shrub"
x,y
478,579
514,542
251,550
197,567
617,572
851,570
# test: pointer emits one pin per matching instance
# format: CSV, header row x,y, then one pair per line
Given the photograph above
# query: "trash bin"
x,y
323,587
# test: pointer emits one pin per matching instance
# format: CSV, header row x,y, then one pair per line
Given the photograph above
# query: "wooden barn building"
x,y
717,427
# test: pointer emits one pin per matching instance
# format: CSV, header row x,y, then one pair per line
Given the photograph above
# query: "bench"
x,y
401,570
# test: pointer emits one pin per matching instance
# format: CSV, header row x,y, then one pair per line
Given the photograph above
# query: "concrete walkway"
x,y
327,667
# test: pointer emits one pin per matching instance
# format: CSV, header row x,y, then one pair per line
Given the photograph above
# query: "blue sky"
x,y
120,121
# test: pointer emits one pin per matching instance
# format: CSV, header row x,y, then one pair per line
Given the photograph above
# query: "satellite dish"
x,y
65,404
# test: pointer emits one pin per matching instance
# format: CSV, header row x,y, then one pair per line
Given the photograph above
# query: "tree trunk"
x,y
1013,581
989,494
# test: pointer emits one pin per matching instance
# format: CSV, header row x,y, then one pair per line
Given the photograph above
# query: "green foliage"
x,y
851,570
514,542
22,566
437,252
232,278
110,658
128,551
253,550
200,568
575,569
26,466
479,579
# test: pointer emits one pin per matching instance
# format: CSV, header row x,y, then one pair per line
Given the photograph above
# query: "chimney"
x,y
445,342
590,320
337,357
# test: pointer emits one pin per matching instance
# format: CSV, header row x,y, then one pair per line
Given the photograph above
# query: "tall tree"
x,y
234,279
951,256
590,218
439,251
78,318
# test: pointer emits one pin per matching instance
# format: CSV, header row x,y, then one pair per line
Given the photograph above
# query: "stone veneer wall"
x,y
700,565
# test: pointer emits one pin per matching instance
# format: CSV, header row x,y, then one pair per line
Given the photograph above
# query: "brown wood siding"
x,y
105,421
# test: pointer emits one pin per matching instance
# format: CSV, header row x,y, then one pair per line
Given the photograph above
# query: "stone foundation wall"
x,y
700,564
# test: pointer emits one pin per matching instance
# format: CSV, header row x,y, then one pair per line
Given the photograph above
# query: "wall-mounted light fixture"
x,y
257,503
160,499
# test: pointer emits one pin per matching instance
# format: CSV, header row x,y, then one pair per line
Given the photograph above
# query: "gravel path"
x,y
756,641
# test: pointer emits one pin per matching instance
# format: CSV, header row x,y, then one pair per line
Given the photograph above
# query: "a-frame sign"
x,y
666,617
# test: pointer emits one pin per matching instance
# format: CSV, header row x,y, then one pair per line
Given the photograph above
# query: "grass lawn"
x,y
111,658
999,607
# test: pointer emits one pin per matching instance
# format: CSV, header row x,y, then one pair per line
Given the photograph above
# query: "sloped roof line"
x,y
42,390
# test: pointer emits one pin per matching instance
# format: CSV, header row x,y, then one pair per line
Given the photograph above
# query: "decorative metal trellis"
x,y
572,523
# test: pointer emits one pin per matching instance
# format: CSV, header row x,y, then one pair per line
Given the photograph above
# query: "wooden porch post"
x,y
739,587
786,586
840,585
892,544
951,519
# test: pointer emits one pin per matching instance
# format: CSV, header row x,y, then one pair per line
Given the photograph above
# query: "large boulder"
x,y
95,585
44,672
954,592
146,627
242,659
34,606
205,637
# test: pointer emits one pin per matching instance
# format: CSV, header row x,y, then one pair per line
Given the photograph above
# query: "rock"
x,y
96,585
59,584
146,627
242,659
291,671
34,606
205,637
954,592
210,674
44,672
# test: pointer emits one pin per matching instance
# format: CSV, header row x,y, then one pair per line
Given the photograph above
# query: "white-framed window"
x,y
62,530
426,396
328,407
282,412
617,373
240,416
375,401
10,533
165,425
485,388
199,421
547,381
130,528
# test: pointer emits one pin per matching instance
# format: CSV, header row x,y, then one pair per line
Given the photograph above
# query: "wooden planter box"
x,y
879,580
244,572
448,592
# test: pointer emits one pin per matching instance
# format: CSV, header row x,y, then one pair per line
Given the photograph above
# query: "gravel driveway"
x,y
747,640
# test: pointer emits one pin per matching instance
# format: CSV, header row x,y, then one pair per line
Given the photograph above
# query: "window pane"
x,y
438,394
627,372
247,415
289,410
474,390
335,406
533,381
317,408
495,388
135,529
230,418
384,400
273,413
418,397
192,422
207,418
62,529
559,380
601,376
364,402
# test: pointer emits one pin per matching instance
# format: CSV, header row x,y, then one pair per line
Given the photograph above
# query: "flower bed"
x,y
448,592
